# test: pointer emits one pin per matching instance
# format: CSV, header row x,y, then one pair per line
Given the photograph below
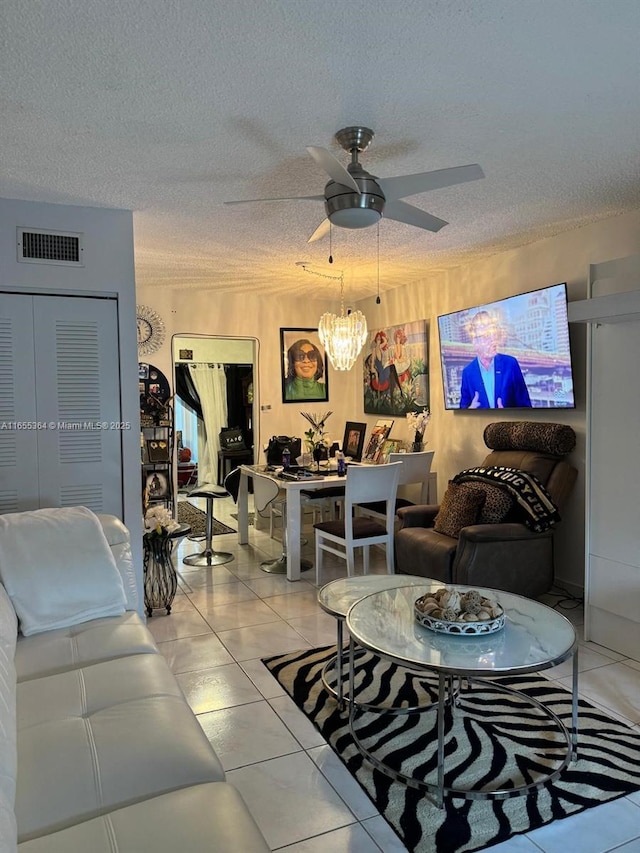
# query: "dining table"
x,y
293,486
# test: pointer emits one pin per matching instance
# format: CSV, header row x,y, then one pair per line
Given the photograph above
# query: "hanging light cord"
x,y
339,278
323,274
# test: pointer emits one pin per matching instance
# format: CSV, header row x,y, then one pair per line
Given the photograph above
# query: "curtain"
x,y
187,422
236,402
186,390
211,384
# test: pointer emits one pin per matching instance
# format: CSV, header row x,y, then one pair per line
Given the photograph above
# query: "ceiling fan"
x,y
353,198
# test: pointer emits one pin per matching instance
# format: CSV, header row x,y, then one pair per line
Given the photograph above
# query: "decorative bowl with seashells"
x,y
457,612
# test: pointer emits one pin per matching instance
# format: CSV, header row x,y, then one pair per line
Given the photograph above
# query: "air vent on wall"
x,y
36,246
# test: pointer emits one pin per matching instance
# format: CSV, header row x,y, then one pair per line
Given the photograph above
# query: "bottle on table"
x,y
286,458
342,465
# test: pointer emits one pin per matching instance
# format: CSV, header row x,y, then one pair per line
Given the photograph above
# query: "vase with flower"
x,y
160,582
417,423
316,438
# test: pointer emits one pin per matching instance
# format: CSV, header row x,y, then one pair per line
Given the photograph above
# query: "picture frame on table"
x,y
303,366
391,445
353,441
379,435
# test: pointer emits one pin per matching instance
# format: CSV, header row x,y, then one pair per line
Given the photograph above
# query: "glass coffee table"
x,y
535,637
335,598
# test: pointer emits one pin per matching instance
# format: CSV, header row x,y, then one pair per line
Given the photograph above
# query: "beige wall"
x,y
455,436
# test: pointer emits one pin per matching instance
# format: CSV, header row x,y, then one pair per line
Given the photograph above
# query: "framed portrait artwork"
x,y
156,485
303,367
396,369
353,440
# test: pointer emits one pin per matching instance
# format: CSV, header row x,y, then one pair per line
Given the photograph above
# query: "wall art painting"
x,y
396,369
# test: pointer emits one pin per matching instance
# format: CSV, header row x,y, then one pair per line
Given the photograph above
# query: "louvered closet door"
x,y
19,488
77,377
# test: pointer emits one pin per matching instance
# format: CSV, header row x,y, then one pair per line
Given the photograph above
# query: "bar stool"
x,y
209,557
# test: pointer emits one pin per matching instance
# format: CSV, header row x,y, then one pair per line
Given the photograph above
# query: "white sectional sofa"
x,y
99,750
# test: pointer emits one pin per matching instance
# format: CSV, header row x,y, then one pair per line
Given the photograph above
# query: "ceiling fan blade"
x,y
410,215
286,198
321,231
422,182
333,167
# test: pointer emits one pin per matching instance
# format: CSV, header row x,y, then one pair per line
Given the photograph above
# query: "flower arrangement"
x,y
315,436
158,522
417,423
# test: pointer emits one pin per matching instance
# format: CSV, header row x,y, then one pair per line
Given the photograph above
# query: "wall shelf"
x,y
612,308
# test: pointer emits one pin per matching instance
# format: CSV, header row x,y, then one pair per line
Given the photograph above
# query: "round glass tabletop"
x,y
534,637
336,597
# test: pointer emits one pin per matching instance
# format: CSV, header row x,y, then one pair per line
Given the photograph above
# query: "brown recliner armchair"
x,y
506,555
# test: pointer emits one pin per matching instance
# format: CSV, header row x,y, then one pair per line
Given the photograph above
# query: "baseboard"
x,y
574,588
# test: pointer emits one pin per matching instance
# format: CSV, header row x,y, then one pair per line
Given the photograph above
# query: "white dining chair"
x,y
342,536
415,470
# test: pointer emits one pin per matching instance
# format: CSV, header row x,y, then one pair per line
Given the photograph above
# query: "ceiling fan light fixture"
x,y
343,337
353,198
355,217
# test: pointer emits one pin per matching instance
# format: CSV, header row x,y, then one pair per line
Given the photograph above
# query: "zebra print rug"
x,y
492,740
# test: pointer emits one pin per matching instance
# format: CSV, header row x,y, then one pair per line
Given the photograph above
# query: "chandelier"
x,y
342,336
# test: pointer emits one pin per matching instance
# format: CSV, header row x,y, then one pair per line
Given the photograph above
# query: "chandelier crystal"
x,y
342,336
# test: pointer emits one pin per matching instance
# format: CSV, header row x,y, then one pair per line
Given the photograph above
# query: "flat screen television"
x,y
513,353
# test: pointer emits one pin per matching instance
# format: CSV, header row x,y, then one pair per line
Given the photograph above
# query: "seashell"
x,y
451,599
449,614
469,617
471,601
483,616
436,614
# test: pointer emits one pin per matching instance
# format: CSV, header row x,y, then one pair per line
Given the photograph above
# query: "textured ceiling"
x,y
171,107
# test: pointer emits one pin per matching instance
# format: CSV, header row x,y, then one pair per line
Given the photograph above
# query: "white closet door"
x,y
78,391
19,488
614,516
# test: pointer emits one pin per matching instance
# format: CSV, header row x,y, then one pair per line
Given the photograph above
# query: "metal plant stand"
x,y
160,579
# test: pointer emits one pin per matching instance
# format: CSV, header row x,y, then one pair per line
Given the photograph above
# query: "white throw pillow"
x,y
58,569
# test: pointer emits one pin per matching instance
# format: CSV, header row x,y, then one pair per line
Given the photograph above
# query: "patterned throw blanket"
x,y
538,510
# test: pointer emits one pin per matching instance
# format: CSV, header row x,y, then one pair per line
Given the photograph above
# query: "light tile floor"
x,y
226,618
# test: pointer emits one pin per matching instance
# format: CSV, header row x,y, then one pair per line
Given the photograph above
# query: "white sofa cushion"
x,y
58,569
87,690
200,819
104,737
120,543
8,758
82,645
8,832
8,754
